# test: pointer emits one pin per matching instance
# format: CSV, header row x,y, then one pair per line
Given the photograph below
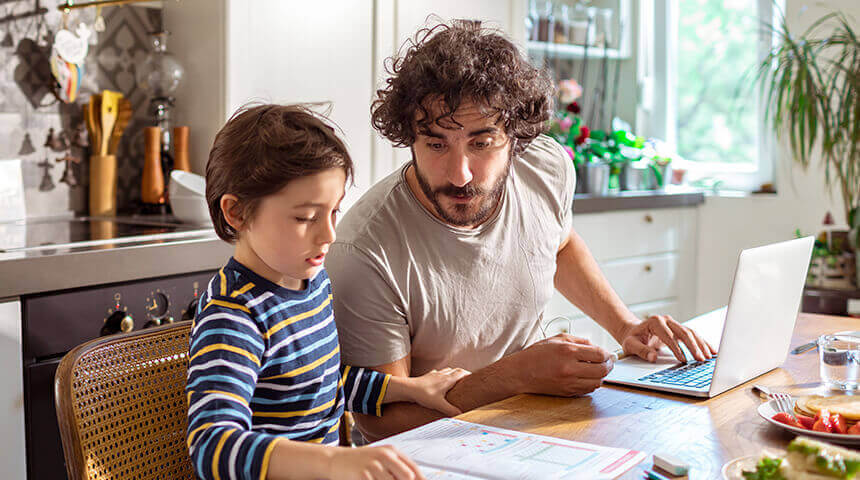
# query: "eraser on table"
x,y
671,464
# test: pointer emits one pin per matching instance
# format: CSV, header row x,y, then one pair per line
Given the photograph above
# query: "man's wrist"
x,y
628,321
510,374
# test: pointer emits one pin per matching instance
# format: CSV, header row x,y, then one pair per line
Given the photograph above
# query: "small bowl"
x,y
185,184
190,209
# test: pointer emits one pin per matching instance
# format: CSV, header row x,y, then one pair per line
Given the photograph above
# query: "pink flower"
x,y
569,151
569,90
565,123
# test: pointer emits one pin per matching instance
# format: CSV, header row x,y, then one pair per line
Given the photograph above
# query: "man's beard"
x,y
464,215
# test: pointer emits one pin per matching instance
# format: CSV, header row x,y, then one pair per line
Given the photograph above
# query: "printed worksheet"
x,y
450,449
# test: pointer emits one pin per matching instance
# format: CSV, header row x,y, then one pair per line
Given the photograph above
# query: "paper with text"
x,y
450,449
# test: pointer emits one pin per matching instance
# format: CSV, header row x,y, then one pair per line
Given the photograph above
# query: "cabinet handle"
x,y
649,218
647,268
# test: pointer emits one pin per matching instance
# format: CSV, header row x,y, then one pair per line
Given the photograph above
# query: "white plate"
x,y
734,469
768,410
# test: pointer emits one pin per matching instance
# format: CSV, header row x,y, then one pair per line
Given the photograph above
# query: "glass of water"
x,y
839,360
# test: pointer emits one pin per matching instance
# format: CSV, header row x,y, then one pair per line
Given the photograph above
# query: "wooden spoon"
x,y
94,108
123,117
110,105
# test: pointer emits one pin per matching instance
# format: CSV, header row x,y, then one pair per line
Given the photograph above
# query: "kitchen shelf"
x,y
559,50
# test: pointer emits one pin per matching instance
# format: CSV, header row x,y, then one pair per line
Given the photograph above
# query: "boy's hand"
x,y
372,463
429,389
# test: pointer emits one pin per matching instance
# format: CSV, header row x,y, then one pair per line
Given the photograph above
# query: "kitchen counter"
x,y
73,266
672,197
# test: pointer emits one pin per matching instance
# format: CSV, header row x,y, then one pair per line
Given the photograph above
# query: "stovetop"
x,y
77,232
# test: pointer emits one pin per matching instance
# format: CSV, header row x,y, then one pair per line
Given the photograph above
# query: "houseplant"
x,y
811,87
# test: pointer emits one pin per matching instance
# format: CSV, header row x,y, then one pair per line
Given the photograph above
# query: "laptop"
x,y
753,332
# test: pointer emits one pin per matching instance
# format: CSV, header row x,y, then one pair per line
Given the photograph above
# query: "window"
x,y
693,57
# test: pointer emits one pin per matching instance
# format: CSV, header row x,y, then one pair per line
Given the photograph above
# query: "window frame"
x,y
657,109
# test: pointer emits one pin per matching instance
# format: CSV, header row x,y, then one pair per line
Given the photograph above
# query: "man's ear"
x,y
231,211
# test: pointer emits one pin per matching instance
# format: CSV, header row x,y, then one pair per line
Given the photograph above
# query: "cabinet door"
x,y
12,454
296,51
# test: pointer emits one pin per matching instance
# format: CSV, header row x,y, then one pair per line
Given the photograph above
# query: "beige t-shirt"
x,y
405,282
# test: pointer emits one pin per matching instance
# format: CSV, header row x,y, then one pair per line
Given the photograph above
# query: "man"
x,y
451,260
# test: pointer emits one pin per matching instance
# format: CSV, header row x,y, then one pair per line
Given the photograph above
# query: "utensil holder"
x,y
102,185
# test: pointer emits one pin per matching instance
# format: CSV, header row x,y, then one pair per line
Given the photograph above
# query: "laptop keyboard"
x,y
691,375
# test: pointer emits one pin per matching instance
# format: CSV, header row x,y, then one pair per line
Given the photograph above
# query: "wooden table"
x,y
704,433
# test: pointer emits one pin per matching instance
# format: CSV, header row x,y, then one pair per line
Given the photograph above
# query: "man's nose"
x,y
458,171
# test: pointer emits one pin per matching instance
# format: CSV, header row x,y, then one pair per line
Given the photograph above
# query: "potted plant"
x,y
811,85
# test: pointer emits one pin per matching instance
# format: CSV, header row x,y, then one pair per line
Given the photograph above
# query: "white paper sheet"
x,y
450,449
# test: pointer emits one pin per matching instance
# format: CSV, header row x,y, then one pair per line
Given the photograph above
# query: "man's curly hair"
x,y
458,63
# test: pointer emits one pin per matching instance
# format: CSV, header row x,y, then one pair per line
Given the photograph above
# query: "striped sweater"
x,y
264,364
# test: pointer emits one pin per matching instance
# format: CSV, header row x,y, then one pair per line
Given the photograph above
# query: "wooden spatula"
x,y
122,119
110,105
94,109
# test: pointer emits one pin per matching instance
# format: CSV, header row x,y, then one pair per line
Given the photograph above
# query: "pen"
x,y
651,475
805,347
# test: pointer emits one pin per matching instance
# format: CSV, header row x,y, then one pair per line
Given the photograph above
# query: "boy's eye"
x,y
303,219
436,146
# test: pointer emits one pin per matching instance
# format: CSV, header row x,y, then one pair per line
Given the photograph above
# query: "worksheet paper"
x,y
452,449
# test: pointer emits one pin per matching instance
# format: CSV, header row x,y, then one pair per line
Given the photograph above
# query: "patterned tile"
x,y
27,105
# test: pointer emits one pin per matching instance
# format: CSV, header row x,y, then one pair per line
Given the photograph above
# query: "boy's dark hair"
x,y
261,149
458,63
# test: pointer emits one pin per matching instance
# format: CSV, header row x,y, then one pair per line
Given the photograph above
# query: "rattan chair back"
x,y
121,406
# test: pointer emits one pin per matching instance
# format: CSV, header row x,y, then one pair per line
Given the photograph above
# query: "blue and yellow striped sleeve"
x,y
363,389
225,351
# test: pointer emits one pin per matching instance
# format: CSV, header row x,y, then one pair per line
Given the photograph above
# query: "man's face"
x,y
461,170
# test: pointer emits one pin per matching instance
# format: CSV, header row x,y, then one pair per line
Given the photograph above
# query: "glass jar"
x,y
160,73
546,22
532,21
603,28
562,25
579,25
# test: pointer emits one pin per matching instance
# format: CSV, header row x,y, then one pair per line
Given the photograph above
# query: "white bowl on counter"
x,y
190,209
186,184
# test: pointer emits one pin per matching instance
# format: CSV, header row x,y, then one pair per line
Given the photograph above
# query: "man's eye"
x,y
304,219
436,147
483,143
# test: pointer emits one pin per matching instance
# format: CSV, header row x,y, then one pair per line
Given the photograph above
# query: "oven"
x,y
56,322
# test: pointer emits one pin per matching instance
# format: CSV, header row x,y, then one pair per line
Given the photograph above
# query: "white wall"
x,y
727,225
196,39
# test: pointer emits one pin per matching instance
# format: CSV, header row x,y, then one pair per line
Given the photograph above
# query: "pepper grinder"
x,y
152,183
180,149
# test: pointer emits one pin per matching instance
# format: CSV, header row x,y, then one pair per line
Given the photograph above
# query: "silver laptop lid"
x,y
763,306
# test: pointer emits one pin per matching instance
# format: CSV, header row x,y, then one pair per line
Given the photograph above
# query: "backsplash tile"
x,y
27,106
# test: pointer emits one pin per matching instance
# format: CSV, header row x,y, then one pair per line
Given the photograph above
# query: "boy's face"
x,y
461,171
291,230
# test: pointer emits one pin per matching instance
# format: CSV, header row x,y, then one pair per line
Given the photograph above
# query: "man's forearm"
x,y
495,382
396,417
579,279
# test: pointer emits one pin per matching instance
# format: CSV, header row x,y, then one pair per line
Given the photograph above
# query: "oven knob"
x,y
119,321
191,310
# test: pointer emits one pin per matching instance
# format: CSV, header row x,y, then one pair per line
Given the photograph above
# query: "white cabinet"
x,y
275,51
12,440
649,258
286,51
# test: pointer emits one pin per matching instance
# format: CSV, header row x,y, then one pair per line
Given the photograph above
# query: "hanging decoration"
x,y
67,60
